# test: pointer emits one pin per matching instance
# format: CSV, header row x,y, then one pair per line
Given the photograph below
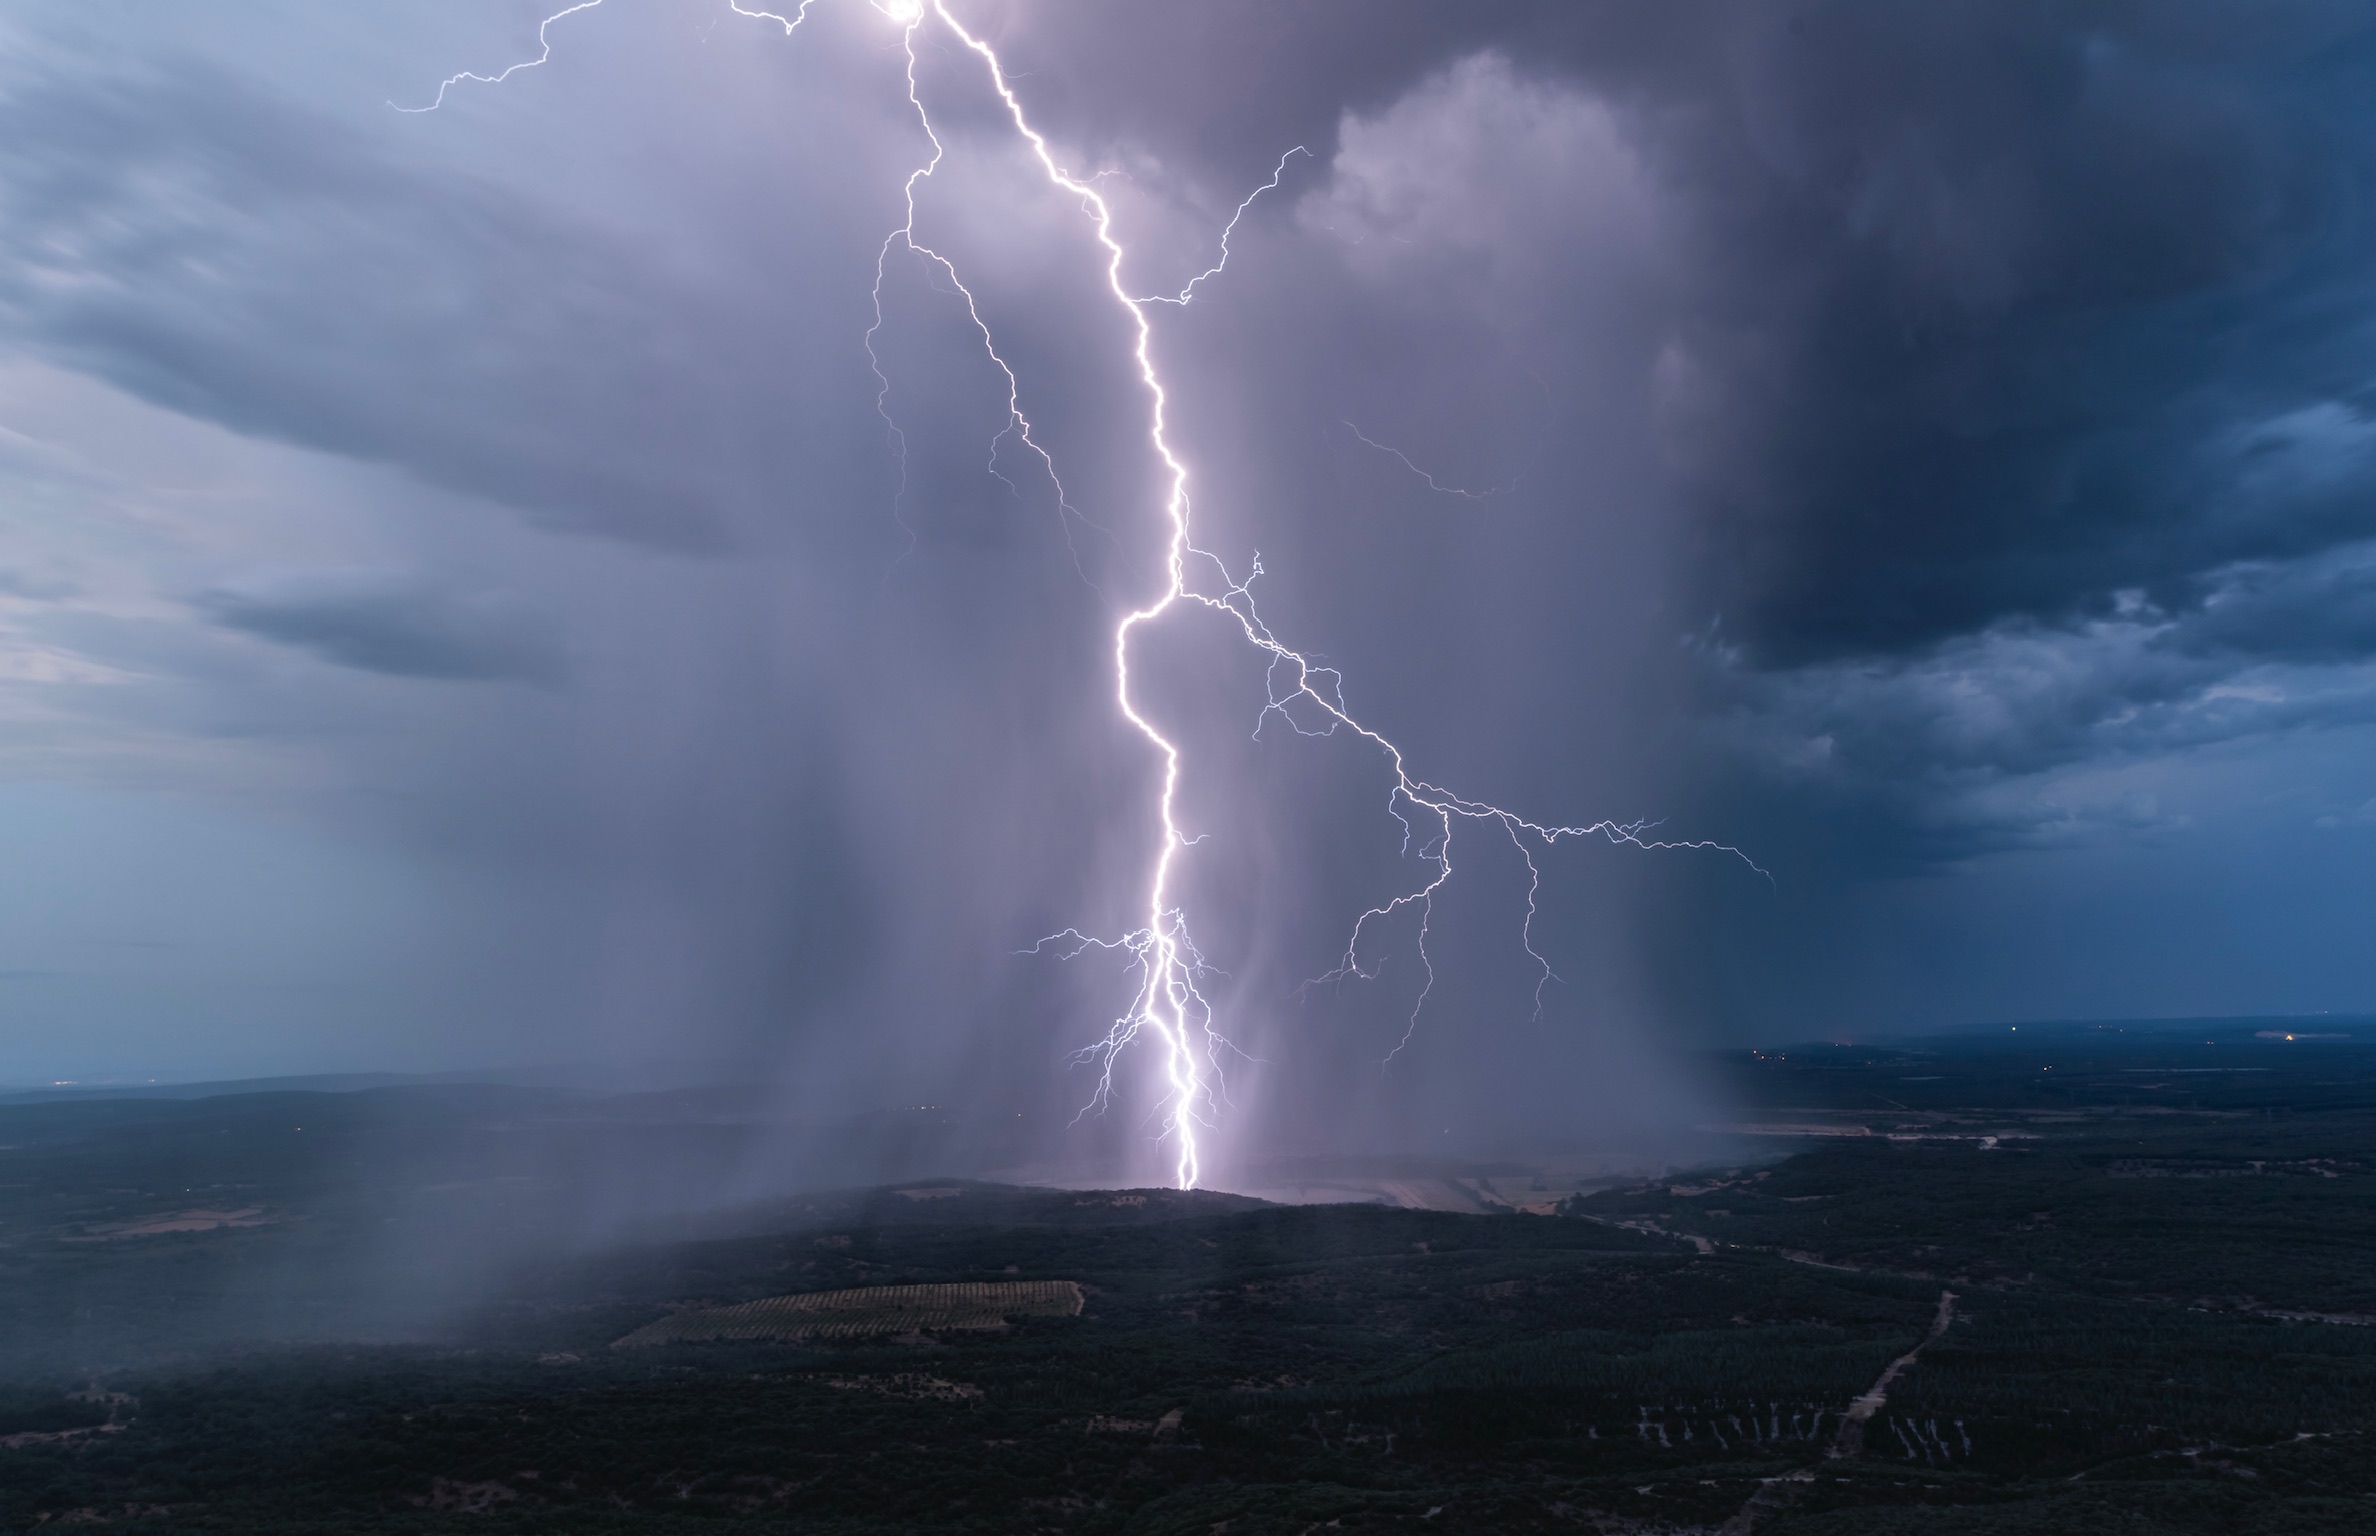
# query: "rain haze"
x,y
543,588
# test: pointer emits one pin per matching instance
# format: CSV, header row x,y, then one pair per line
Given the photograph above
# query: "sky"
x,y
470,598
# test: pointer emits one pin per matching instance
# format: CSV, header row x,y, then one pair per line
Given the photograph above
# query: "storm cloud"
x,y
1929,449
387,622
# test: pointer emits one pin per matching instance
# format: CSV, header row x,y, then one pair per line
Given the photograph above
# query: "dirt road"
x,y
1779,1493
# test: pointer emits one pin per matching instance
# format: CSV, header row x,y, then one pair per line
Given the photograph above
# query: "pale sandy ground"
x,y
1412,1183
1515,1186
196,1220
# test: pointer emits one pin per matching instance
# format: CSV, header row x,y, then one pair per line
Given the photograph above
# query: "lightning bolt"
x,y
904,234
1168,1004
1189,292
544,51
1432,483
790,24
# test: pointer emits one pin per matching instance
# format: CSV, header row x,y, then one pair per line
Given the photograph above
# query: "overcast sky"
x,y
462,604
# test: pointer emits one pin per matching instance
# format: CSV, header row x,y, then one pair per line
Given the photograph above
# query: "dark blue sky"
x,y
460,606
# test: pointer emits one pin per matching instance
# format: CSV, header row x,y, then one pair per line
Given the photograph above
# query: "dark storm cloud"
x,y
1991,291
392,623
1990,310
2013,386
186,236
2018,390
2024,695
1983,388
2319,609
2033,444
1986,299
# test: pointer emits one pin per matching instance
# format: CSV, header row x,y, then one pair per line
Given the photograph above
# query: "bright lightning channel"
x,y
1168,1003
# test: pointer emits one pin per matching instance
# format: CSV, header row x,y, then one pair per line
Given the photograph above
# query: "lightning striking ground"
x,y
1169,1004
